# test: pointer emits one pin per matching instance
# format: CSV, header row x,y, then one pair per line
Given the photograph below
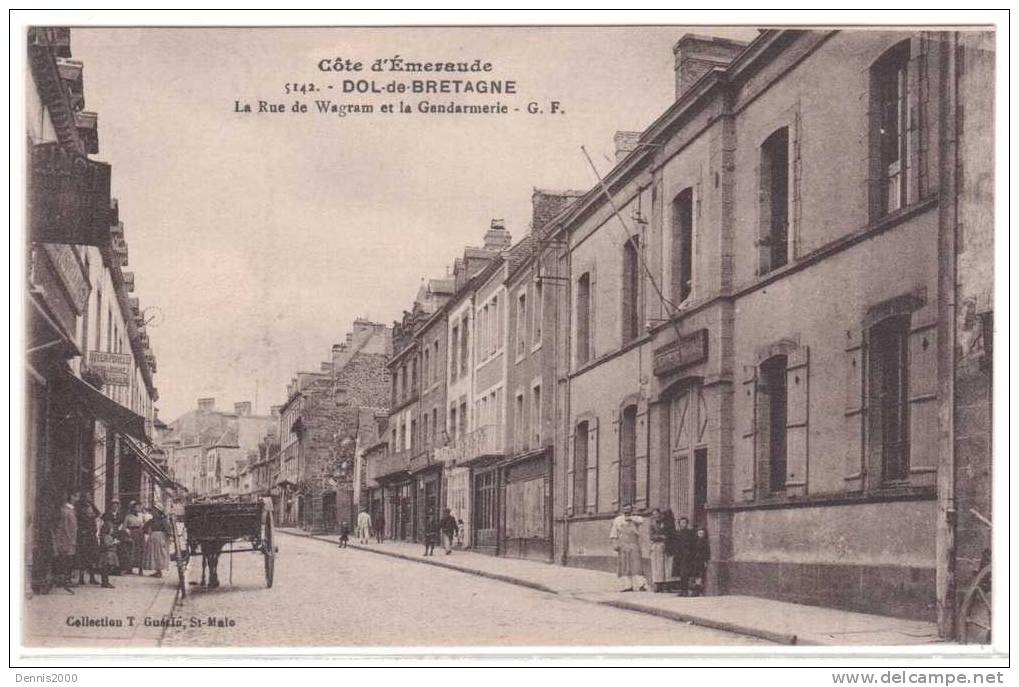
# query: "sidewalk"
x,y
94,616
776,621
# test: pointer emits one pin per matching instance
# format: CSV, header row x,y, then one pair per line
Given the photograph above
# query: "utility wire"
x,y
630,236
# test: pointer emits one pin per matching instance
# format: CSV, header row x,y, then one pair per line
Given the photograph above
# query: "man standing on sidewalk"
x,y
65,541
380,528
448,528
364,526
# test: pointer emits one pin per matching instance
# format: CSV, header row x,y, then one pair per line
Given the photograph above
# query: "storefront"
x,y
526,530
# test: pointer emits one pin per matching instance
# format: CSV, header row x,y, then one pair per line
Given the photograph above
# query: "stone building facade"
x,y
714,367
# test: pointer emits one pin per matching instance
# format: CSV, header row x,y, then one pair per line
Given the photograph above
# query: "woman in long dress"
x,y
157,547
133,523
658,535
625,538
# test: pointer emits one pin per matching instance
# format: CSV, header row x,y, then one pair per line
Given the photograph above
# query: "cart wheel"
x,y
975,614
268,551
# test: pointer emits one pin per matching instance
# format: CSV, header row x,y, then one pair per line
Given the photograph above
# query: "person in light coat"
x,y
625,538
364,526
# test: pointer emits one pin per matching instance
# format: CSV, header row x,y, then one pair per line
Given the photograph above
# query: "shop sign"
x,y
114,368
685,351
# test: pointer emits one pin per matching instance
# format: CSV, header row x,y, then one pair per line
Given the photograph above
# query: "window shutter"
x,y
855,410
762,242
748,443
616,463
569,474
593,318
592,467
926,107
914,118
923,408
795,173
797,378
642,456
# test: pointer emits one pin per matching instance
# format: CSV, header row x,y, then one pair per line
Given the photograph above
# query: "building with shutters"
x,y
764,337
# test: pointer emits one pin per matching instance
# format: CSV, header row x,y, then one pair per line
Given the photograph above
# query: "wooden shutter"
x,y
797,380
641,459
592,466
920,115
592,317
569,473
923,408
616,463
748,444
795,172
855,410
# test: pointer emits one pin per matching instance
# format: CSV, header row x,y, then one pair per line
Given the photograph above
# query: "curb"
x,y
776,637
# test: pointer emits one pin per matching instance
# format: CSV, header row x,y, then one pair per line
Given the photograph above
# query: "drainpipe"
x,y
948,209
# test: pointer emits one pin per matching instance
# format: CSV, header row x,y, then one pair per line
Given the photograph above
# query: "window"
x,y
536,416
889,141
435,424
537,307
682,245
584,318
521,324
628,456
774,208
772,396
580,459
426,371
395,379
519,425
435,357
889,420
454,338
463,418
452,422
464,347
414,433
631,290
414,374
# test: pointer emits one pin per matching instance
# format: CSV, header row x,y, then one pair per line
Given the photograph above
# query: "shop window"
x,y
682,245
889,402
889,123
583,333
628,456
774,201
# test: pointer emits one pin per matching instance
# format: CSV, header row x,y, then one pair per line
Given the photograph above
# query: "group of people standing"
x,y
446,529
678,553
116,542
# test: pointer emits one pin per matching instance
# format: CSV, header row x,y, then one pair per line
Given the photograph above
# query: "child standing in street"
x,y
431,537
108,561
344,535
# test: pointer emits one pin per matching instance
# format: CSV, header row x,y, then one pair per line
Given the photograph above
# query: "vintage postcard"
x,y
413,338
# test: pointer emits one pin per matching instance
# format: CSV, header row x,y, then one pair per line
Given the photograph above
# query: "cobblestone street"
x,y
324,596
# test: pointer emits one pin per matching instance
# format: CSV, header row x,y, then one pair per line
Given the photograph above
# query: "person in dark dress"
x,y
344,535
681,553
700,554
87,553
380,528
431,536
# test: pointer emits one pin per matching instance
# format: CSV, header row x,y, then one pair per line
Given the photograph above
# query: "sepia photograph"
x,y
405,338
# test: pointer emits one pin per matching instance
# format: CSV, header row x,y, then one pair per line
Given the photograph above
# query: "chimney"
x,y
697,55
497,238
243,408
626,143
206,405
547,204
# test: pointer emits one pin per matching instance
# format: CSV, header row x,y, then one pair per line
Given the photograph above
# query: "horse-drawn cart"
x,y
212,526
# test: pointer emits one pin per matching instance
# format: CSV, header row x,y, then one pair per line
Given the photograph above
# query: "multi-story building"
x,y
735,268
203,445
89,385
525,475
319,428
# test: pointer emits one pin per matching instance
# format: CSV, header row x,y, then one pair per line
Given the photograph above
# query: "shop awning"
x,y
146,463
122,419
